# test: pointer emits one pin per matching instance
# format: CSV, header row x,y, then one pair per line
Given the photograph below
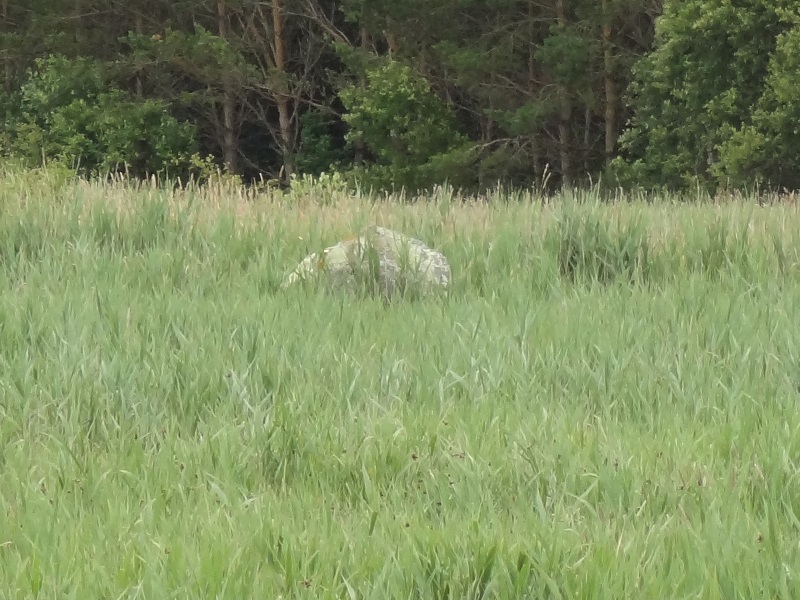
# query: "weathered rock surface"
x,y
378,260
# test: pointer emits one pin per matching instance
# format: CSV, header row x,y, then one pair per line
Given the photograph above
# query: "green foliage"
x,y
767,148
701,84
316,153
411,135
199,55
490,75
470,92
568,56
70,112
323,189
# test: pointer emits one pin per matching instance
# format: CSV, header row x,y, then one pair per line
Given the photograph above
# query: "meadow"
x,y
603,406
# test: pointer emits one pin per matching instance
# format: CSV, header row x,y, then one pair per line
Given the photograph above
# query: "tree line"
x,y
409,93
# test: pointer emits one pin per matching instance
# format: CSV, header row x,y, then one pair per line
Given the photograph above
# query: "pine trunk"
x,y
538,172
78,32
7,74
610,86
359,150
139,30
565,113
282,99
230,146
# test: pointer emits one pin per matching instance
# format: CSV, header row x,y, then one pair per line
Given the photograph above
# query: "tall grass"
x,y
603,406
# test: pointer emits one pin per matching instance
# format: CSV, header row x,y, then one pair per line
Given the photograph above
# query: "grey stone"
x,y
377,260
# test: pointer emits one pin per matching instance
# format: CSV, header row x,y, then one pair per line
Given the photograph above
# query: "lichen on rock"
x,y
377,260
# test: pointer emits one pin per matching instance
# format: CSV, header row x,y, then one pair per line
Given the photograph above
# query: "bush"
x,y
69,112
409,132
767,149
709,95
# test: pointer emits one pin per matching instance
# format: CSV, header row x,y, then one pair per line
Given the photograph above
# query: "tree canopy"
x,y
409,93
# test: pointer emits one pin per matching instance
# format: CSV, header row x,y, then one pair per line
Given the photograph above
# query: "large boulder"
x,y
377,260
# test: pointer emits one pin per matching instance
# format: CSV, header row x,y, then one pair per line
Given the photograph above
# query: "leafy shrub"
x,y
70,112
411,135
324,189
767,149
696,96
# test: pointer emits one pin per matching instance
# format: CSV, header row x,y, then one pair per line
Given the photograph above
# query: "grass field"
x,y
604,405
